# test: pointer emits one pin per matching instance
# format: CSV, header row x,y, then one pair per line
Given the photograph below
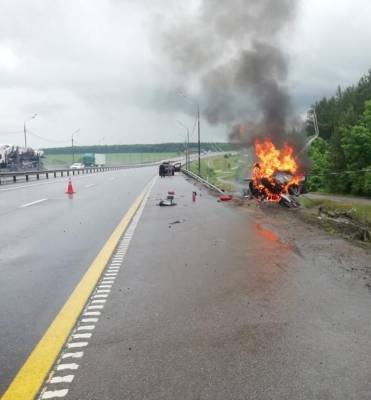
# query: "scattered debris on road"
x,y
169,200
225,197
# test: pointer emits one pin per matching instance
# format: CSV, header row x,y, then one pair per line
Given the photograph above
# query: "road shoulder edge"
x,y
31,376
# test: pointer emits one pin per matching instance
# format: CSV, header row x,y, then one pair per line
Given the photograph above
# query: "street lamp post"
x,y
198,129
73,152
199,138
187,148
25,129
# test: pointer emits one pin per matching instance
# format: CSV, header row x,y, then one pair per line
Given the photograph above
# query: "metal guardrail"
x,y
201,180
60,172
68,171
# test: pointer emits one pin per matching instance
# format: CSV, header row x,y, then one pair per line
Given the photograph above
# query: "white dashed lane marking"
x,y
81,334
32,203
89,320
54,394
77,354
77,344
63,367
98,301
86,327
62,379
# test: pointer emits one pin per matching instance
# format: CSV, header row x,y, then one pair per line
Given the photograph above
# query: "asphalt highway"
x,y
210,301
48,240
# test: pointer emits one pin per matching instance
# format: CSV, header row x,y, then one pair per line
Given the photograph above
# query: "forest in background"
x,y
143,148
341,156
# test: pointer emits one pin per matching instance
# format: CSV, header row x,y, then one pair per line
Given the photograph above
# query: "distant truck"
x,y
94,160
16,158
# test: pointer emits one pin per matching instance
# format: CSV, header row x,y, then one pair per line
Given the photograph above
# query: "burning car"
x,y
275,177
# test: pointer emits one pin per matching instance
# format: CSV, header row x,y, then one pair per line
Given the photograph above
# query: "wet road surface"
x,y
47,243
211,303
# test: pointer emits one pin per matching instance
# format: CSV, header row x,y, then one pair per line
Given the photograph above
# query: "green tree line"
x,y
141,148
341,156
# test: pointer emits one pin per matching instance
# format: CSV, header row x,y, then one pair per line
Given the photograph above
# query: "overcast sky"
x,y
96,65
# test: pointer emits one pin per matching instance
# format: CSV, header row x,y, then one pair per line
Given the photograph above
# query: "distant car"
x,y
177,167
167,168
77,166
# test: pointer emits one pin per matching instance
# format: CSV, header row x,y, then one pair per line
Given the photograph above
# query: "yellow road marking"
x,y
29,379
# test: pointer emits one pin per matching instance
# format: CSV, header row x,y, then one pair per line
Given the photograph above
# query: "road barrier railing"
x,y
13,176
201,180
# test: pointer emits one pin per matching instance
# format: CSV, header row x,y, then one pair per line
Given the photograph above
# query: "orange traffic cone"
x,y
70,187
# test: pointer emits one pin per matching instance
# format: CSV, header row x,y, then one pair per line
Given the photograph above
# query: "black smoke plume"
x,y
231,52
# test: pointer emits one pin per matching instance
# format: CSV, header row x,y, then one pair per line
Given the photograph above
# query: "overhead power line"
x,y
49,140
340,172
11,133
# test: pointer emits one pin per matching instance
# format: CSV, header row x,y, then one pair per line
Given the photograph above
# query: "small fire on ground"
x,y
276,175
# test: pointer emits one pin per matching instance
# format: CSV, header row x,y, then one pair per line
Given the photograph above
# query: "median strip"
x,y
30,378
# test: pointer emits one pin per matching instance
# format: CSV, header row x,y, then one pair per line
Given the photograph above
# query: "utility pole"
x,y
187,147
25,135
199,139
73,149
25,129
73,154
188,158
198,129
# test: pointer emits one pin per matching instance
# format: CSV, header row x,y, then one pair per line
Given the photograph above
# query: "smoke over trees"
x,y
232,53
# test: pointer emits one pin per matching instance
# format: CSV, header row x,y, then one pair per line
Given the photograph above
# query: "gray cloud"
x,y
96,65
232,50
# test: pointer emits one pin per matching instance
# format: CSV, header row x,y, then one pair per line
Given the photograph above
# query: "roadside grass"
x,y
51,160
219,170
362,212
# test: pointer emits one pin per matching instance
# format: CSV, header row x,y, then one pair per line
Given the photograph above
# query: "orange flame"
x,y
273,160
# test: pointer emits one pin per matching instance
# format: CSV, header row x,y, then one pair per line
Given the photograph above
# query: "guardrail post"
x,y
68,172
14,179
37,176
55,174
47,175
26,178
61,173
73,172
